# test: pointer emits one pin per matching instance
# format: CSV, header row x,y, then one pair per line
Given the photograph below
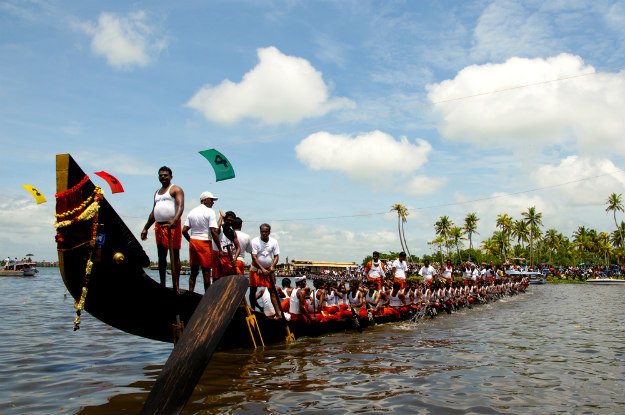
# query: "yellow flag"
x,y
35,192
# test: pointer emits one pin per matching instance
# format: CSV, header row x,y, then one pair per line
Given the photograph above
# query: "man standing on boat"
x,y
199,229
244,244
375,269
427,271
400,269
166,212
265,255
226,251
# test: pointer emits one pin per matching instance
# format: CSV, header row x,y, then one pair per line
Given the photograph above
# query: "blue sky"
x,y
330,111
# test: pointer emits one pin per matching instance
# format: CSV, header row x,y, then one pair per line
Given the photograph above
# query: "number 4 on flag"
x,y
221,165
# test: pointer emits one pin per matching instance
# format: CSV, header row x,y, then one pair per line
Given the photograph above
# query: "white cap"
x,y
207,195
300,278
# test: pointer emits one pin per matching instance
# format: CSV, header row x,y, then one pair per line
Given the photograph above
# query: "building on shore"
x,y
296,266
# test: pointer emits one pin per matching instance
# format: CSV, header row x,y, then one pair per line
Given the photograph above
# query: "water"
x,y
555,349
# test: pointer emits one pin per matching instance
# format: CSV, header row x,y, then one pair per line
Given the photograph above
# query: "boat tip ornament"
x,y
70,204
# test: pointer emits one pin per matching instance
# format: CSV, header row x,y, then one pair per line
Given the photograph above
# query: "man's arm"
x,y
237,246
215,236
185,232
151,220
179,197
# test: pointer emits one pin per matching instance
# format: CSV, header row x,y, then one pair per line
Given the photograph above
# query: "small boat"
x,y
605,281
20,269
533,276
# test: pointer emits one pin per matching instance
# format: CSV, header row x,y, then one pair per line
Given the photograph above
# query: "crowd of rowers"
x,y
389,296
218,246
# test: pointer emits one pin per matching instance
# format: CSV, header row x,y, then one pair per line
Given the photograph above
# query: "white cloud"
x,y
124,41
280,89
571,173
27,226
423,185
373,157
499,203
115,163
507,26
532,108
331,244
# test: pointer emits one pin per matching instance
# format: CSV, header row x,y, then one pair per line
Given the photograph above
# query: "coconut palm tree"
x,y
402,214
553,241
439,241
615,203
442,227
533,220
583,242
470,227
521,232
455,236
603,247
504,222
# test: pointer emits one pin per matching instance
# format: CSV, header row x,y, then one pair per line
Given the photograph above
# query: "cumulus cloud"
x,y
423,185
584,108
581,180
372,157
332,244
124,41
115,162
280,89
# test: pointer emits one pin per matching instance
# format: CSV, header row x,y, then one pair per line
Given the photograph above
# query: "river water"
x,y
554,349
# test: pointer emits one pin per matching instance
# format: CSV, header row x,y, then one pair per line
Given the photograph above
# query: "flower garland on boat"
x,y
82,211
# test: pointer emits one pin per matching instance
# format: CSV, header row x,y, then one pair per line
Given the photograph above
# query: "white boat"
x,y
605,281
534,277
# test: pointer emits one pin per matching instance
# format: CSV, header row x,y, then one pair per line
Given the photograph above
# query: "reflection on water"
x,y
553,349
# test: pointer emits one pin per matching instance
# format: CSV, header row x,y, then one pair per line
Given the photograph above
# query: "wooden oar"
x,y
175,275
191,355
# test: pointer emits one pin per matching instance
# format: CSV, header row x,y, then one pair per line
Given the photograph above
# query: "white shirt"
x,y
199,220
164,206
265,251
244,244
427,273
264,301
400,269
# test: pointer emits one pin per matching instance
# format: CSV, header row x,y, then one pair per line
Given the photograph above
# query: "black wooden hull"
x,y
123,296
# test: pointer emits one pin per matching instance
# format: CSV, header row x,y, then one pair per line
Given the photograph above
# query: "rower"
x,y
375,269
297,301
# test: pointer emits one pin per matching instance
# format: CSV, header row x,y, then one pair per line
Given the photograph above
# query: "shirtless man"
x,y
166,212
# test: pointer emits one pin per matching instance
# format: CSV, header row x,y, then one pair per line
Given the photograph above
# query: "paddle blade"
x,y
191,355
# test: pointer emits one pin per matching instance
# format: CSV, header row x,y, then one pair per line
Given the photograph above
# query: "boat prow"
x,y
102,262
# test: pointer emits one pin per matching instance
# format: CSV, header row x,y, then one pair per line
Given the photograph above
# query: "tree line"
x,y
523,237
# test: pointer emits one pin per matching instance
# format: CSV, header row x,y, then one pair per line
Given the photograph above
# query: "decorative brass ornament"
x,y
118,258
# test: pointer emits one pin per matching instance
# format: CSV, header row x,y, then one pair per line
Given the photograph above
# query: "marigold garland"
x,y
88,213
89,210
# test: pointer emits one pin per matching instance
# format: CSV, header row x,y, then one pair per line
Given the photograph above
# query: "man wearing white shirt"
x,y
265,255
400,269
427,271
244,244
199,228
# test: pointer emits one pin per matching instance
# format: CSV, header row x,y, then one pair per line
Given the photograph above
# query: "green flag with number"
x,y
221,165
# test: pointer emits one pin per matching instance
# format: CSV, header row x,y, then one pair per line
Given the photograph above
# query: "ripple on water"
x,y
553,349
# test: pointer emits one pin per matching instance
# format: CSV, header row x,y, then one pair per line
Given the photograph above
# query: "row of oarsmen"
x,y
332,300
